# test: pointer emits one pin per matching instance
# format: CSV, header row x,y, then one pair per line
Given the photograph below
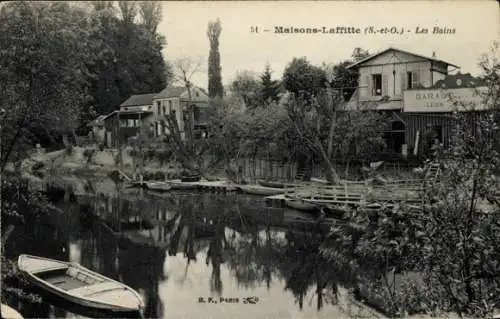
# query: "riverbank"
x,y
92,161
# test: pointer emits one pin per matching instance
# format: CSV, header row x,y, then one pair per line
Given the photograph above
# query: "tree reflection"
x,y
252,255
215,255
303,267
254,243
141,267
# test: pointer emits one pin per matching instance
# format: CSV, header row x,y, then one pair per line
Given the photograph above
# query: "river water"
x,y
198,256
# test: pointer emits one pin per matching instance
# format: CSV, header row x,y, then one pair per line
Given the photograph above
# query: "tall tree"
x,y
101,5
44,62
302,78
270,88
150,13
130,59
247,87
128,11
342,78
215,87
359,54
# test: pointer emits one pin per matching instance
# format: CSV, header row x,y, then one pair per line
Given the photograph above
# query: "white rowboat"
x,y
80,285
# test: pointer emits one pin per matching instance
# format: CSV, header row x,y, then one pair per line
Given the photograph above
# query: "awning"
x,y
386,105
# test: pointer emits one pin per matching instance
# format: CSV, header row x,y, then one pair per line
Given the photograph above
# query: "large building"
x,y
148,111
418,94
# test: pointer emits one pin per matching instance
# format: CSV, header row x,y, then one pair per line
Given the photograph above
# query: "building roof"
x,y
125,113
139,100
459,80
171,91
98,121
398,50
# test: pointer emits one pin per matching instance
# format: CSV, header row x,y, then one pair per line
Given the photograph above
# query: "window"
x,y
130,123
164,110
169,105
412,79
158,103
377,84
123,123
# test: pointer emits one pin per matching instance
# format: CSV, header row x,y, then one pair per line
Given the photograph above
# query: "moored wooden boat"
x,y
336,211
158,186
261,190
10,313
272,184
80,285
300,205
183,185
190,178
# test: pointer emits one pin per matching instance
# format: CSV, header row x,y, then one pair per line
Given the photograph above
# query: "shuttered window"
x,y
403,82
368,84
385,85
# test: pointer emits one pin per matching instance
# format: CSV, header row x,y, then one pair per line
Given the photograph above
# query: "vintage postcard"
x,y
253,159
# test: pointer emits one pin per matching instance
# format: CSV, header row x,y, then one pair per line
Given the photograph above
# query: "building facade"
x,y
418,95
134,113
178,100
148,111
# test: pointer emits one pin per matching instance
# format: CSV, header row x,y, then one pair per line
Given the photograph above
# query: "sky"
x,y
476,25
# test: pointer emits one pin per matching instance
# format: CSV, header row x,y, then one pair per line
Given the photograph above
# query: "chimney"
x,y
434,54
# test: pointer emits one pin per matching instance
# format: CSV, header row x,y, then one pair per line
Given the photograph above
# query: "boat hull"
x,y
261,190
336,211
158,187
301,205
271,184
183,186
81,301
28,267
10,313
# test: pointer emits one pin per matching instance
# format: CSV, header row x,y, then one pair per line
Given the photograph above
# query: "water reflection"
x,y
199,245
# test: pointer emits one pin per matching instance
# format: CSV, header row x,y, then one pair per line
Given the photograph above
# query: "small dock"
x,y
352,193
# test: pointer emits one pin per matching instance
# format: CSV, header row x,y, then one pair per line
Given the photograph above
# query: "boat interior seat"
x,y
96,289
75,273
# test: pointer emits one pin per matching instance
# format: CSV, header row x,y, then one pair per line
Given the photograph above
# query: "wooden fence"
x,y
262,169
254,169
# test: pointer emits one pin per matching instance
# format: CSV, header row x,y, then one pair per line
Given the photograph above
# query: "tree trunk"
x,y
330,134
331,173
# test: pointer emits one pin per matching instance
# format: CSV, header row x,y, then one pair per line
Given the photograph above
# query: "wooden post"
x,y
417,138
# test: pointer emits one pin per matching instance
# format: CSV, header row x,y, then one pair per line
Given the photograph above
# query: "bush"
x,y
159,176
148,176
37,166
132,152
115,176
88,153
163,155
149,154
69,150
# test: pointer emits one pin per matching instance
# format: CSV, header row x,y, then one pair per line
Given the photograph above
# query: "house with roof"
x,y
403,85
149,110
178,100
134,113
